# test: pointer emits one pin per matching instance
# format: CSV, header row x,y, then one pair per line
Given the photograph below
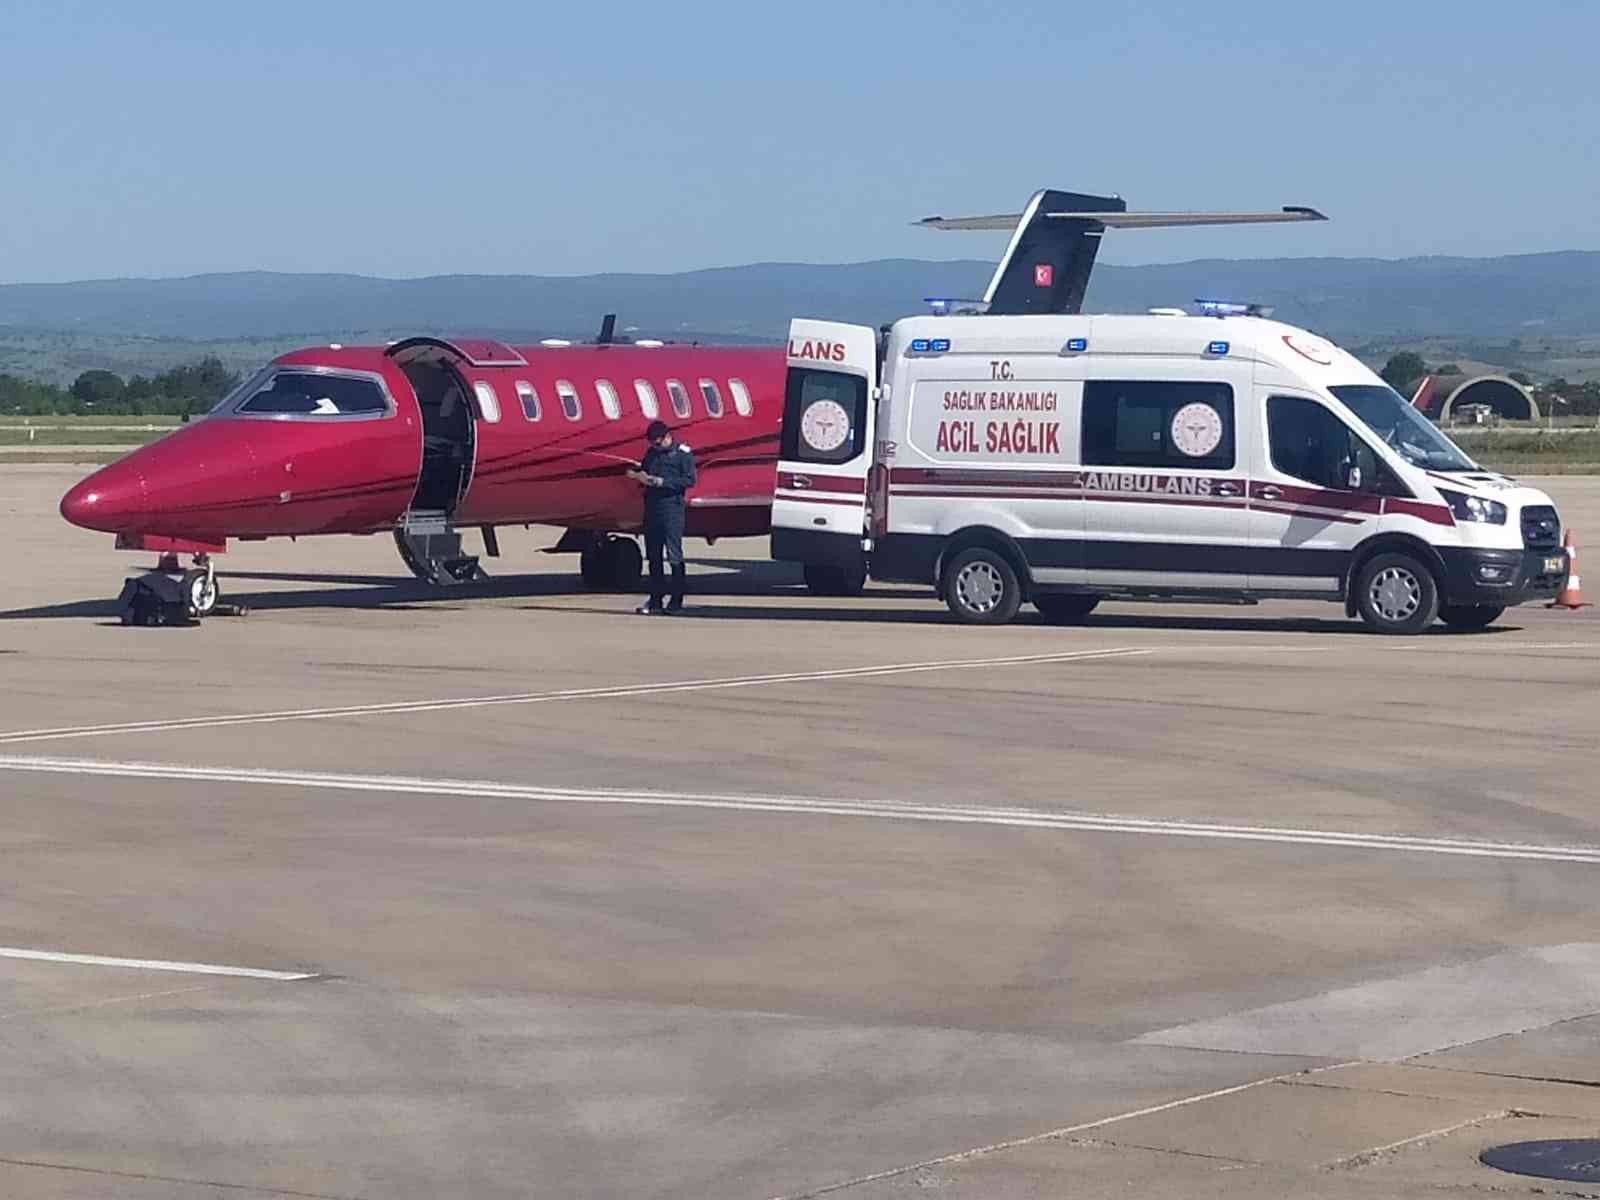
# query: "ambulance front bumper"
x,y
1501,577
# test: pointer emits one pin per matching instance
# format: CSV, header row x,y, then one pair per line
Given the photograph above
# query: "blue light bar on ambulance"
x,y
943,306
1232,308
1077,345
929,345
1217,349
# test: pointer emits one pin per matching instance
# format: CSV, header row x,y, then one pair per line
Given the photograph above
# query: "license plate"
x,y
1555,565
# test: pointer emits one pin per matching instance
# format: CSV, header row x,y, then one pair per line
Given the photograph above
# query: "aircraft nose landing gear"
x,y
200,588
170,595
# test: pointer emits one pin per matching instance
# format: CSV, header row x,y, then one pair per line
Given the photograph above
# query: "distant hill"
x,y
1534,294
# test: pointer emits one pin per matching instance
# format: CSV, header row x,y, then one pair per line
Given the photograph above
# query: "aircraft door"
x,y
819,511
449,436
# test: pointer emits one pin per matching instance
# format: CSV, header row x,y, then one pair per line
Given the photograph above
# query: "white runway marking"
x,y
889,810
151,964
643,689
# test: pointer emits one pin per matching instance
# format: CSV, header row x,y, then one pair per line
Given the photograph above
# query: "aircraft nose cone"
x,y
106,501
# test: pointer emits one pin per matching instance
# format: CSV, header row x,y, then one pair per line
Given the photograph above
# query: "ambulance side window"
x,y
1310,442
1143,423
824,414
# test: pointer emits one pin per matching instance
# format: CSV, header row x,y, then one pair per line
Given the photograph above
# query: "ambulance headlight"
x,y
1474,509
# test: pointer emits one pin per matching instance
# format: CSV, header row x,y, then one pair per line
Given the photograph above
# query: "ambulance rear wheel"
x,y
1470,616
825,580
981,587
1396,594
1064,608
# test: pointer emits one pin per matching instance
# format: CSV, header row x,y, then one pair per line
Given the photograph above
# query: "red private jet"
x,y
427,436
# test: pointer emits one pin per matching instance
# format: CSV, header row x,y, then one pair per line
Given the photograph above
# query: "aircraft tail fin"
x,y
1055,239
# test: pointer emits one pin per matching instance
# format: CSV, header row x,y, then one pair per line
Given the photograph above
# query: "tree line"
x,y
185,390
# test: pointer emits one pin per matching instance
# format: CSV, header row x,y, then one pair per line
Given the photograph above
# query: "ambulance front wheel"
x,y
1065,608
825,580
1396,594
981,587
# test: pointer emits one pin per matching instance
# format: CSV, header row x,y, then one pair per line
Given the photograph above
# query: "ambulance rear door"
x,y
819,508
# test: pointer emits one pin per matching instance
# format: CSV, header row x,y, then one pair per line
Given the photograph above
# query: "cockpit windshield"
x,y
1382,410
247,388
291,393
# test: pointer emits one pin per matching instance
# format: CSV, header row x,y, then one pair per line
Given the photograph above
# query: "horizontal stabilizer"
x,y
1054,241
1005,222
1128,220
1000,222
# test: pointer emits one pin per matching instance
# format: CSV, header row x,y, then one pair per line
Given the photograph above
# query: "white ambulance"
x,y
1064,459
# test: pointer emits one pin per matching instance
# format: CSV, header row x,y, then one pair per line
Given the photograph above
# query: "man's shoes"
x,y
650,609
674,607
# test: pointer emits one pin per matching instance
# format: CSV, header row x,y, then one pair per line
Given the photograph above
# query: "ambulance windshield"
x,y
1382,410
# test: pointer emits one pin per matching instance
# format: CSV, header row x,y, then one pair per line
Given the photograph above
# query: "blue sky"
x,y
401,138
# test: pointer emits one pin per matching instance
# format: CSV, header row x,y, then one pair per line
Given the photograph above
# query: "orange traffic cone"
x,y
1571,595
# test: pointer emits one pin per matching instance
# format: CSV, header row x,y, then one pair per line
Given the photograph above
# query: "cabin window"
x,y
529,398
488,402
679,396
570,404
712,397
741,397
647,399
609,404
1147,423
316,394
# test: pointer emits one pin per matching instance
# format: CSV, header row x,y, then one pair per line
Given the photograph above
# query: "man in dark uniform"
x,y
667,472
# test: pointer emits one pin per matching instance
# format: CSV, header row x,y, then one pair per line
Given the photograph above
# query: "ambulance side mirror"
x,y
1352,477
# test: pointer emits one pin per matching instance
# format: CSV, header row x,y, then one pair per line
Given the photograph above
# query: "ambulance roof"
x,y
1249,339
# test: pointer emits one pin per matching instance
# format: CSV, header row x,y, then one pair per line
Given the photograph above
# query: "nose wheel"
x,y
170,595
201,591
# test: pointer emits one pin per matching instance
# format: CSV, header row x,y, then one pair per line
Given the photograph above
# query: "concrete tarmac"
x,y
384,891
